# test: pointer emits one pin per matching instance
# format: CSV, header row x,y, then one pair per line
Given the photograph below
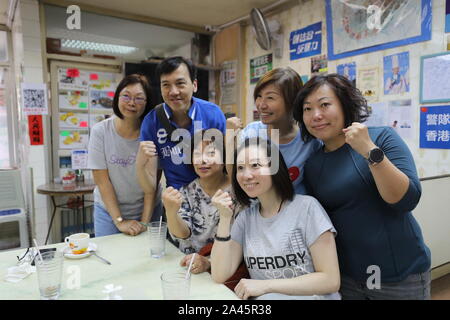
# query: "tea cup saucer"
x,y
91,247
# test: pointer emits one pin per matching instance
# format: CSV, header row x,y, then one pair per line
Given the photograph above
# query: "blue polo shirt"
x,y
204,115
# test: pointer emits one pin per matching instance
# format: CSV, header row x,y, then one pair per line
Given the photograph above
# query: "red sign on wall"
x,y
35,130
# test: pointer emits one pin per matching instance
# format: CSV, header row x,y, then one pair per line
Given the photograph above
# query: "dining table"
x,y
131,268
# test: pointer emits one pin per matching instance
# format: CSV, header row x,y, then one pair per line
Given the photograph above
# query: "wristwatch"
x,y
118,220
376,155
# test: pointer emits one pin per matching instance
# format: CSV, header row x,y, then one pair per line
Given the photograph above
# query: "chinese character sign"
x,y
35,130
306,42
435,127
260,66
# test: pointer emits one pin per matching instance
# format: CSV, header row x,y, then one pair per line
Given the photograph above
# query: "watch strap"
x,y
224,239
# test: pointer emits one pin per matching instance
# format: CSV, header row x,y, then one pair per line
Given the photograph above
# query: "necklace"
x,y
280,206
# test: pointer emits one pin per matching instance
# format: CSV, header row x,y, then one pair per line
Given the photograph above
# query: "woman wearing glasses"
x,y
120,203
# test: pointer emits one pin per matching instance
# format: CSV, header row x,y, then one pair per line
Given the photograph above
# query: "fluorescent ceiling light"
x,y
94,46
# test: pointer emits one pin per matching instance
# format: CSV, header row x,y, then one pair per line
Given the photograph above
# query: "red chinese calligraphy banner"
x,y
35,130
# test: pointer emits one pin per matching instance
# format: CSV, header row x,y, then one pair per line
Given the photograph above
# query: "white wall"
x,y
28,68
433,215
429,162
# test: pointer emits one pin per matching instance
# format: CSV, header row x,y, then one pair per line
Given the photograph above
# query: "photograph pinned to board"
x,y
34,98
368,82
435,78
74,100
103,81
435,127
358,27
400,117
348,70
95,118
319,65
396,73
73,139
73,120
72,79
101,99
378,114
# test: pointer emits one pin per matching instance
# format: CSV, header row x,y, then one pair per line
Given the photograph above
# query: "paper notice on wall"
x,y
228,86
400,117
34,98
378,114
368,82
79,159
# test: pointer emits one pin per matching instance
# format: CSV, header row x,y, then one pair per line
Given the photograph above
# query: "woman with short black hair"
x,y
366,180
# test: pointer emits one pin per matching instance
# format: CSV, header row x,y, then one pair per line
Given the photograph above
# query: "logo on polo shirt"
x,y
162,136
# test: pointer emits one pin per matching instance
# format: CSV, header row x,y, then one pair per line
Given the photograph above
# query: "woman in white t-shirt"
x,y
286,240
119,201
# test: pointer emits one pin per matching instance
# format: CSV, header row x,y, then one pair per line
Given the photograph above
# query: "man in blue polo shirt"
x,y
181,111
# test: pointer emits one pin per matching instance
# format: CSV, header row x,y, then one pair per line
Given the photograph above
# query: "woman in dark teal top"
x,y
366,180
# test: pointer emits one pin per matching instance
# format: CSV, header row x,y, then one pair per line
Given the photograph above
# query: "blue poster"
x,y
435,127
447,15
396,73
306,42
348,70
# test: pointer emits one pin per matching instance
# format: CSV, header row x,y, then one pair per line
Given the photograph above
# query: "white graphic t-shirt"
x,y
278,247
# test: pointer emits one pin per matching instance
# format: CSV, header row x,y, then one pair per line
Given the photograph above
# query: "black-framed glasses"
x,y
138,100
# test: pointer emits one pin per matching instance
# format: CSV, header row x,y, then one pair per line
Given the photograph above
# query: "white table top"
x,y
131,267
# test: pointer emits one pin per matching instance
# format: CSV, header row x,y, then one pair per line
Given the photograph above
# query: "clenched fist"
x,y
223,202
234,123
357,136
147,151
172,200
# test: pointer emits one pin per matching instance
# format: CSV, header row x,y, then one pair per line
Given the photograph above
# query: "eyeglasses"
x,y
138,100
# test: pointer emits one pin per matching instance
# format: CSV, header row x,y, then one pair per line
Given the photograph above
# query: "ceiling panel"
x,y
190,12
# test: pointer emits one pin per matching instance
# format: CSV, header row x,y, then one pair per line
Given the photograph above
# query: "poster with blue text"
x,y
306,42
435,127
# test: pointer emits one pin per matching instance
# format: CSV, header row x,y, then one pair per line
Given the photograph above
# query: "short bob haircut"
x,y
354,105
169,65
281,181
214,136
130,80
286,80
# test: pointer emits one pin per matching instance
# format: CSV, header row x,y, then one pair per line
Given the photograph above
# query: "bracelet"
x,y
222,238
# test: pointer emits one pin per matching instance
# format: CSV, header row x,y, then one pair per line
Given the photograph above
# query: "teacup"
x,y
78,242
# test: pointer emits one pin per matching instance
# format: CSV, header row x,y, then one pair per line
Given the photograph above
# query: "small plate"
x,y
91,247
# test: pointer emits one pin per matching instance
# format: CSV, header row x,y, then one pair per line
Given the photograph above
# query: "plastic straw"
x,y
190,266
160,224
37,247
